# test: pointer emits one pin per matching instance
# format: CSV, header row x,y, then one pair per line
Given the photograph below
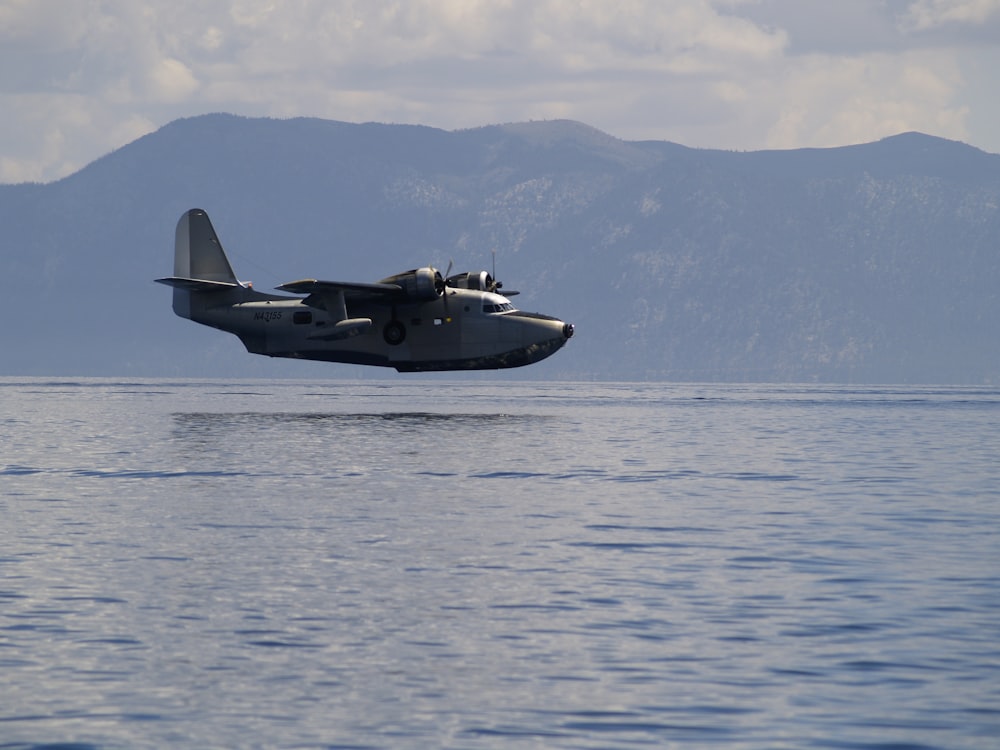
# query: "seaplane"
x,y
416,321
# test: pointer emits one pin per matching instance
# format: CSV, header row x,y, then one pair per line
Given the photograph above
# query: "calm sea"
x,y
472,564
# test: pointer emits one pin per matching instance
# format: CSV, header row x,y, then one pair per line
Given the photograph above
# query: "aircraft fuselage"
x,y
463,329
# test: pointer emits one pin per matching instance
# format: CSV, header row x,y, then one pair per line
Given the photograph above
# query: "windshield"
x,y
490,307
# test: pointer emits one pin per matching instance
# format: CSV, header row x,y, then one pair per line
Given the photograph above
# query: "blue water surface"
x,y
470,564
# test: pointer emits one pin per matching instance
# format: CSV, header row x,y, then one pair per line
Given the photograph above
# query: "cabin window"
x,y
503,307
302,317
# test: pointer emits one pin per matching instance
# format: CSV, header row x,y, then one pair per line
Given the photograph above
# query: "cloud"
x,y
44,143
171,80
829,102
929,14
725,73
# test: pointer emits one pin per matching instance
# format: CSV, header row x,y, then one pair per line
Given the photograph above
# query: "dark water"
x,y
423,564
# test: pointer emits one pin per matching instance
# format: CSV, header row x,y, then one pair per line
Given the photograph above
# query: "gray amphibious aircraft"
x,y
413,321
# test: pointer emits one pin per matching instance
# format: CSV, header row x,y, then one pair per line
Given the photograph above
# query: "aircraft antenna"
x,y
245,260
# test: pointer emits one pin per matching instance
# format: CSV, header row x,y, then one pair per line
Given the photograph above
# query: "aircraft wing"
x,y
351,290
333,296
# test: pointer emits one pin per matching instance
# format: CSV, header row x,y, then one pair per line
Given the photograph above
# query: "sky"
x,y
80,78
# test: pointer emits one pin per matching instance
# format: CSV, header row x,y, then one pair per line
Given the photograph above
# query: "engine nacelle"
x,y
420,284
479,280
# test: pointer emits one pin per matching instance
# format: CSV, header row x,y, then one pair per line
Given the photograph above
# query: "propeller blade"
x,y
444,288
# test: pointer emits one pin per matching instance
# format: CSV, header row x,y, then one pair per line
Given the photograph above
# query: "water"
x,y
413,564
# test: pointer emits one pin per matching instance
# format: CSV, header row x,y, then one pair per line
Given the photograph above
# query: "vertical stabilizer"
x,y
201,268
198,254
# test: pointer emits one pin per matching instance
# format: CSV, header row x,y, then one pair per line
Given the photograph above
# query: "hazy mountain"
x,y
870,263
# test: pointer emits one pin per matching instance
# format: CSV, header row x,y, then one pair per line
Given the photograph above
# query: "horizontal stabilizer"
x,y
197,285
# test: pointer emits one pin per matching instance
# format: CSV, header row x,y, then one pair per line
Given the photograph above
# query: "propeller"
x,y
441,282
444,287
498,285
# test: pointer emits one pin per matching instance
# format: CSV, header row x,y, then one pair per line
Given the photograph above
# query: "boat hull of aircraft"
x,y
413,322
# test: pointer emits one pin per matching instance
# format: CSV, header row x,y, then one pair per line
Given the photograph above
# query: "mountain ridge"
x,y
875,262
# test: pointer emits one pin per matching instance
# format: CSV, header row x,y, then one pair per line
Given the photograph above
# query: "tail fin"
x,y
198,254
200,263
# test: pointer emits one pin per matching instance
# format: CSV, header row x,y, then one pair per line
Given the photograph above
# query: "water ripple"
x,y
368,564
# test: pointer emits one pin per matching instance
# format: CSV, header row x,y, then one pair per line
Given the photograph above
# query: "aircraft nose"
x,y
568,329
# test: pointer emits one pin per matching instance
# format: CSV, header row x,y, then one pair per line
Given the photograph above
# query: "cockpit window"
x,y
489,307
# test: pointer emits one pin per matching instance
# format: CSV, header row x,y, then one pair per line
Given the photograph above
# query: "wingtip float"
x,y
415,321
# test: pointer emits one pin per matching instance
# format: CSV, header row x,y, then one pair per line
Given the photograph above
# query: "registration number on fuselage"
x,y
267,315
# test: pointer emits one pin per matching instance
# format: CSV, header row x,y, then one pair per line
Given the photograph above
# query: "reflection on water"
x,y
199,419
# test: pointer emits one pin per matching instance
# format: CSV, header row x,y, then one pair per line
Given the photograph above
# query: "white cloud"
x,y
724,73
929,14
171,80
829,102
37,144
